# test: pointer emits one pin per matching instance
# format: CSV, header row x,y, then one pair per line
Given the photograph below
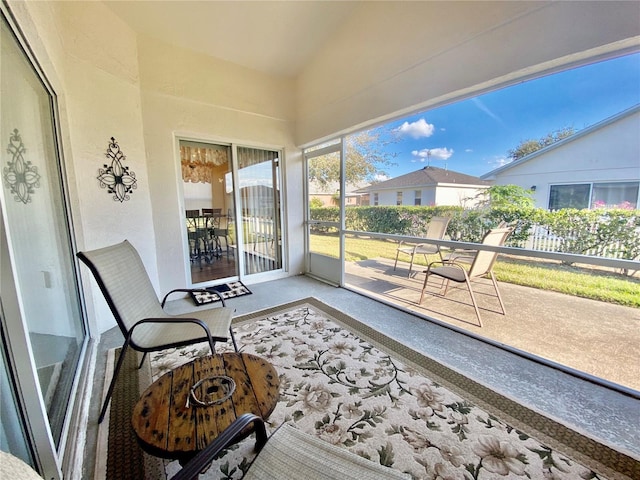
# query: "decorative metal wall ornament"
x,y
117,178
19,175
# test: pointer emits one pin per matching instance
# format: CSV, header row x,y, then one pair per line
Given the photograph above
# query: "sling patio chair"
x,y
289,454
125,284
466,255
481,266
436,229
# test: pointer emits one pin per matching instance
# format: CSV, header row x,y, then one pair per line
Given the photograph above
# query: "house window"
x,y
375,199
596,195
569,196
615,195
417,198
399,198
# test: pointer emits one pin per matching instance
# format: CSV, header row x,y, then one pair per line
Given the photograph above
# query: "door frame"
x,y
237,208
323,267
52,462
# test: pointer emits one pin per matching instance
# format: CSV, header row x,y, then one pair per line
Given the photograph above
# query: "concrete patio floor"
x,y
599,412
596,338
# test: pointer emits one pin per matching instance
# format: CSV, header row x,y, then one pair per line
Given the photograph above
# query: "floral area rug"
x,y
353,387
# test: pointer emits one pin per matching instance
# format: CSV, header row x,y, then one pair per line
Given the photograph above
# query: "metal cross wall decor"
x,y
19,175
116,178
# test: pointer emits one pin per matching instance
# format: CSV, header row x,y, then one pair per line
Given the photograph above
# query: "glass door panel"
x,y
259,225
209,206
36,227
13,436
324,203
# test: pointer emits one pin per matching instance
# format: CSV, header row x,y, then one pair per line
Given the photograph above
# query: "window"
x,y
417,197
375,199
399,198
569,196
596,195
615,195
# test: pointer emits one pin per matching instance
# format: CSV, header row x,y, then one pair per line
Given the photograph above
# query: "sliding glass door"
x,y
260,219
232,210
43,328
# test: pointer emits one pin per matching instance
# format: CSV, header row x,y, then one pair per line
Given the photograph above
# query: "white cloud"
x,y
469,150
381,177
498,162
418,129
433,153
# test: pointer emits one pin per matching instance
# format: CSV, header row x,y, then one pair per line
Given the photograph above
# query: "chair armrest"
x,y
193,290
448,263
230,435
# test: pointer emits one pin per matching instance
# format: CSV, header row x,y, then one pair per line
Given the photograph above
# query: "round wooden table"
x,y
168,427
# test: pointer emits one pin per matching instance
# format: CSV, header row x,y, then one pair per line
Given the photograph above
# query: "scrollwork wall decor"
x,y
115,177
19,175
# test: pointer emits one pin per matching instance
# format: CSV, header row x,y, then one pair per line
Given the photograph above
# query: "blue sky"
x,y
475,135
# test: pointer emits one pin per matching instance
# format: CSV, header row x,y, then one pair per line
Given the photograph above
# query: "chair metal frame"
x,y
436,229
482,265
349,465
123,259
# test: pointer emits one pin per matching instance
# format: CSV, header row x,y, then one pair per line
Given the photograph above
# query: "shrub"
x,y
612,233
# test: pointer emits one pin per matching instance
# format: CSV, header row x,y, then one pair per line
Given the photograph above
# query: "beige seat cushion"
x,y
293,454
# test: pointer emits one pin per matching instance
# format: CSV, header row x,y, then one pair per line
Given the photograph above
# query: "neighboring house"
x,y
598,167
329,195
427,186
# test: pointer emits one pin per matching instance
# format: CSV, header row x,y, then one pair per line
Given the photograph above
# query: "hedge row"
x,y
612,233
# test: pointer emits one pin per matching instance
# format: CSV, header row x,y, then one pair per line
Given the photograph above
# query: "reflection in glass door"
x,y
44,312
13,435
260,217
209,210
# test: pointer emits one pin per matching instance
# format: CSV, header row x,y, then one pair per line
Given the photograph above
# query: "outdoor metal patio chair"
x,y
125,284
481,266
436,229
289,454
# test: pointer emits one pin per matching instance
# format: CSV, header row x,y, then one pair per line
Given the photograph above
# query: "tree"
x,y
315,202
365,160
506,196
527,147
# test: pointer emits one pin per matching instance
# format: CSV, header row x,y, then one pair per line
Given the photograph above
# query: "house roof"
x,y
426,177
564,141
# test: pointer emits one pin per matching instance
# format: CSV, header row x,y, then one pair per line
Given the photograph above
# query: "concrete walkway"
x,y
596,338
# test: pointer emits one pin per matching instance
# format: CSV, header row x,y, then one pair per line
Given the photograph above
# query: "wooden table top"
x,y
168,428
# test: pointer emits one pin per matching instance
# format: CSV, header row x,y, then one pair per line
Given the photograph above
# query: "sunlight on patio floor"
x,y
593,337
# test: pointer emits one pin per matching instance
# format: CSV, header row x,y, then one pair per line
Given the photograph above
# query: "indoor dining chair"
x,y
125,284
482,265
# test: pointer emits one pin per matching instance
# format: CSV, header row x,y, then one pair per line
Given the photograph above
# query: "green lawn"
x,y
571,280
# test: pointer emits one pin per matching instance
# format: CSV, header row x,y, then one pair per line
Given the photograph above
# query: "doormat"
x,y
212,294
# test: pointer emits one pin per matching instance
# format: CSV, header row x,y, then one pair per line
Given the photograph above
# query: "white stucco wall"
x,y
191,95
458,196
392,58
609,154
90,57
443,195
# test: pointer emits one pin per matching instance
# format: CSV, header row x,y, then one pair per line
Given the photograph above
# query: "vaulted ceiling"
x,y
276,37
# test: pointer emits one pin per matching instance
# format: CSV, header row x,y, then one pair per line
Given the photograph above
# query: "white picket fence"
x,y
543,240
